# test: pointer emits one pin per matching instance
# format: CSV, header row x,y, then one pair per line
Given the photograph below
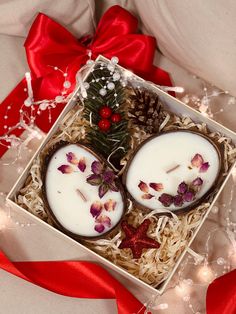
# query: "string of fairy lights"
x,y
206,268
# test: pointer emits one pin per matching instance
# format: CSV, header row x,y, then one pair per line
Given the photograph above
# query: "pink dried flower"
x,y
105,220
143,187
65,169
99,228
204,167
96,209
110,205
178,200
188,196
182,188
147,196
197,182
197,161
156,186
166,199
97,167
71,158
82,164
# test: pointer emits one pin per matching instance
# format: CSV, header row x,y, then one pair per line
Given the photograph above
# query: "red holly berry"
x,y
105,112
116,117
104,125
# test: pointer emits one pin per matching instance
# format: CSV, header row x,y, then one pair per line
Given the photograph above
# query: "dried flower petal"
x,y
156,186
96,209
178,200
197,161
110,205
71,158
147,196
108,176
105,220
103,189
166,199
182,188
204,167
188,196
65,169
97,167
99,228
82,164
113,187
197,182
94,179
143,187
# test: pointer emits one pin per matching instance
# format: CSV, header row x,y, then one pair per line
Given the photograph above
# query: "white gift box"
x,y
175,106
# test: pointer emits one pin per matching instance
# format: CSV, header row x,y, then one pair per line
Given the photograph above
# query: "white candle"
x,y
70,197
163,162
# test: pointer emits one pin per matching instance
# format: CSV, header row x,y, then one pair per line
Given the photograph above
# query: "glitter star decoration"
x,y
136,239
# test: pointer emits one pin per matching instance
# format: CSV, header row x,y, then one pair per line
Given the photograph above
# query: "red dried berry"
x,y
105,112
104,125
116,117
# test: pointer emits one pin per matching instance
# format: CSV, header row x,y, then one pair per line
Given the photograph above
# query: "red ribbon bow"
x,y
50,45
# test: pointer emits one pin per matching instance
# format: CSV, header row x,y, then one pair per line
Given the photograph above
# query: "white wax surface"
x,y
165,152
68,207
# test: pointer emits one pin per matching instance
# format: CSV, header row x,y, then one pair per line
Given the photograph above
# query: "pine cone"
x,y
146,111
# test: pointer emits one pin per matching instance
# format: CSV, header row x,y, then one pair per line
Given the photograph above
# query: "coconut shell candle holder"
x,y
83,196
175,171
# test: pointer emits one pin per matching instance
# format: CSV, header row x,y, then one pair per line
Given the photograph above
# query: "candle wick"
x,y
173,168
81,195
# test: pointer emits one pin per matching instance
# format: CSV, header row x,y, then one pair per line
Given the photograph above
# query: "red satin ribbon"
x,y
79,279
221,295
49,44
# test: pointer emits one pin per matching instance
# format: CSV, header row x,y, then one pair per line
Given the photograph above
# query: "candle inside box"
x,y
173,170
77,202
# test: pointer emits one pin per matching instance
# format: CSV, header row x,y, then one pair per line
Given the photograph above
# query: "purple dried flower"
x,y
178,200
103,189
65,169
94,179
96,209
188,196
99,228
97,167
71,158
166,199
82,164
182,188
105,220
113,187
204,167
197,182
108,176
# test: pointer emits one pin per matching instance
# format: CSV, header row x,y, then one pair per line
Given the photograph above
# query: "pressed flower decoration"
x,y
98,210
73,160
102,177
198,162
185,193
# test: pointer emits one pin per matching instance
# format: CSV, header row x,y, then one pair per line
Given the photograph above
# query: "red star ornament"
x,y
136,238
